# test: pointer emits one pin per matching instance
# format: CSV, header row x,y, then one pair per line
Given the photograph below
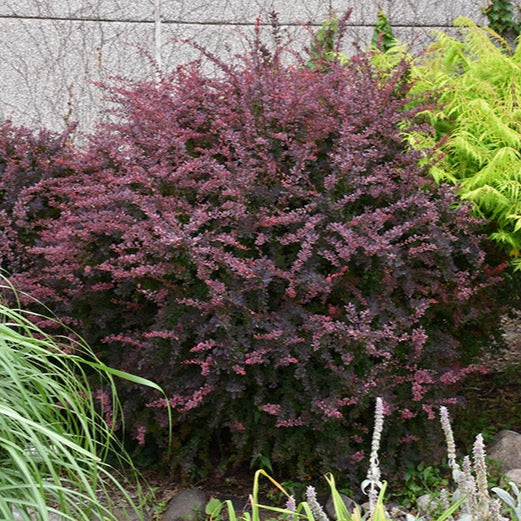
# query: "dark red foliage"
x,y
265,246
27,162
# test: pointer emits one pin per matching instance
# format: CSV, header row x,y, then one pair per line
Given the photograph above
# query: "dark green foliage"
x,y
501,18
325,44
383,37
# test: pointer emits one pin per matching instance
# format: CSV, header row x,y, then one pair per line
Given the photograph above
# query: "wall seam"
x,y
203,23
157,35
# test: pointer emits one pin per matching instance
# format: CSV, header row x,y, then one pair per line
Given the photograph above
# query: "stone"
x,y
506,450
49,49
106,10
240,11
431,12
514,475
128,514
424,503
123,514
348,502
396,513
185,505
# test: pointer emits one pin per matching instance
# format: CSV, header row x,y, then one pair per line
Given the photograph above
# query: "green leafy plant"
x,y
263,461
213,509
418,480
513,503
54,438
325,43
501,18
479,114
383,36
475,90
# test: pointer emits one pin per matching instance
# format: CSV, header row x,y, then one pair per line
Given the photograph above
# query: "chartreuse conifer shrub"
x,y
264,245
476,112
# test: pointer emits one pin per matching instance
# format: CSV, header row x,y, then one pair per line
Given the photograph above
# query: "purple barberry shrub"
x,y
265,246
28,161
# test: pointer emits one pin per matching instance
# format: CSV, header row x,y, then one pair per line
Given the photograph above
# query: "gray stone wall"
x,y
51,50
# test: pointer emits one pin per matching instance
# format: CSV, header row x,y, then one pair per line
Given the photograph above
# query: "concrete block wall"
x,y
50,50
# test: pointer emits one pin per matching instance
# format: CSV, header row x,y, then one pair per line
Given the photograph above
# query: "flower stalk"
x,y
373,482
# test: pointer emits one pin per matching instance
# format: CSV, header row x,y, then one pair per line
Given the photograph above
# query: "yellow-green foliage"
x,y
476,80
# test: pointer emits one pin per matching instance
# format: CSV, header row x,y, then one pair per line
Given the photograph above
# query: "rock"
x,y
348,502
506,450
514,475
185,505
395,512
127,514
424,503
365,506
122,514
